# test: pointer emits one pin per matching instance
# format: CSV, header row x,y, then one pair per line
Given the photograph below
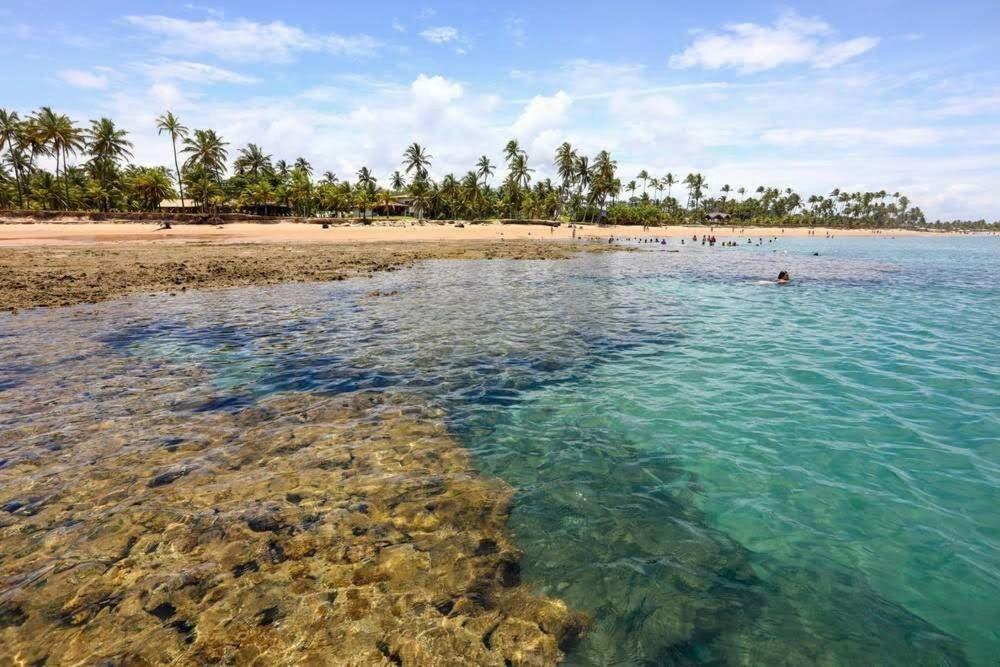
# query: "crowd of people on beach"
x,y
710,240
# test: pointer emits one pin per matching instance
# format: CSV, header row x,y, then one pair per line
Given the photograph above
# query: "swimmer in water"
x,y
784,278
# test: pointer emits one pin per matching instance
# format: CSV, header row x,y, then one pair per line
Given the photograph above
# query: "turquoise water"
x,y
717,469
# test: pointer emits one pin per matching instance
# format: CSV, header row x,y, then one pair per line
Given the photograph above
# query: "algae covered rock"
x,y
303,530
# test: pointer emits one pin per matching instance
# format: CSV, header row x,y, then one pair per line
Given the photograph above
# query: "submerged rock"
x,y
399,556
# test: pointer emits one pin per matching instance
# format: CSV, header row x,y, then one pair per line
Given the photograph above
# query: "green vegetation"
x,y
586,190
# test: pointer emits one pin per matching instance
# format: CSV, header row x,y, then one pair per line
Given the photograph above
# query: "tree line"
x,y
585,189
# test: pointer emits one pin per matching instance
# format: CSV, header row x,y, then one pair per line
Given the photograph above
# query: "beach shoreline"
x,y
58,273
69,232
65,263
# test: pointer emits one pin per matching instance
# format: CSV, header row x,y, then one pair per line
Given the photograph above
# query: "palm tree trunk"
x,y
66,176
17,181
57,170
177,168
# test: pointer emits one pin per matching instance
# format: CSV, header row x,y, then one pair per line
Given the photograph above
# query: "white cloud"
x,y
728,132
440,34
435,90
542,113
841,52
750,47
398,27
180,70
79,78
245,40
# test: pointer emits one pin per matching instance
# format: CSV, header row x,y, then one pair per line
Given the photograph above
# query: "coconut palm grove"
x,y
91,170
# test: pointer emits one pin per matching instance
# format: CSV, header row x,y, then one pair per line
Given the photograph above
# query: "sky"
x,y
900,95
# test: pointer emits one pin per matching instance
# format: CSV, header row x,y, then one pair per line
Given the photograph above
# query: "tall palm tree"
x,y
725,191
643,176
10,129
107,144
329,177
582,175
415,158
484,168
669,181
206,153
565,163
696,185
511,149
366,189
169,123
62,137
397,182
519,171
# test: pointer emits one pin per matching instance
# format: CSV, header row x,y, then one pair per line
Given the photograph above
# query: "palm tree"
x,y
151,186
631,187
669,181
303,165
415,157
643,176
471,193
511,149
259,194
366,189
420,190
10,129
397,181
696,185
253,162
61,137
725,191
206,150
168,122
484,168
565,164
207,154
519,171
329,177
107,144
741,191
582,175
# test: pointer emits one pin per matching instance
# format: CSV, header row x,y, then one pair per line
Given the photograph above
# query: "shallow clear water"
x,y
717,469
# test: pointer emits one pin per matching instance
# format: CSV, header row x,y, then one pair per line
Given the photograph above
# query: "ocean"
x,y
714,468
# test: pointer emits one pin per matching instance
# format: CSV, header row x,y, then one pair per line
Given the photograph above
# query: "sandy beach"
x,y
77,233
63,263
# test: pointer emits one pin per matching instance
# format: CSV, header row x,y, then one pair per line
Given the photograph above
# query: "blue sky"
x,y
893,94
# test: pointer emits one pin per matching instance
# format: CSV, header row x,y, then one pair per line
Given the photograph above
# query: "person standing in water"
x,y
784,278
